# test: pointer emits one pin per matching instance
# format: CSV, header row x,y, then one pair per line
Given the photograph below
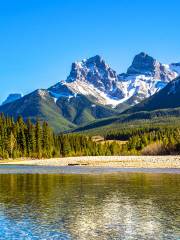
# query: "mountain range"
x,y
96,79
93,90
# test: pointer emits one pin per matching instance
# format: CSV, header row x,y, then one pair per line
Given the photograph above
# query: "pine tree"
x,y
38,135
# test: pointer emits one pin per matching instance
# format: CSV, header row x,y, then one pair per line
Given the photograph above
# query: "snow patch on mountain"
x,y
85,88
141,86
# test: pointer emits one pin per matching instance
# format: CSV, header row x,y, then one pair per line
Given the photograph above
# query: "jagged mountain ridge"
x,y
146,76
94,78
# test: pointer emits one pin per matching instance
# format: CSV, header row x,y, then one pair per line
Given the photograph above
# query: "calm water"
x,y
84,207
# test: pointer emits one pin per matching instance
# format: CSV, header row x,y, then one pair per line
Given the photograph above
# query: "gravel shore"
x,y
105,161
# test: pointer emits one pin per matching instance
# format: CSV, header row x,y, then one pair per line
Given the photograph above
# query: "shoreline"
x,y
140,162
82,170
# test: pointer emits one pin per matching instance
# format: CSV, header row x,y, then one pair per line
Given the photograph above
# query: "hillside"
x,y
38,104
61,115
166,117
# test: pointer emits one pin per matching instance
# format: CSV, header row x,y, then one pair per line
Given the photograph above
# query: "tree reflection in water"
x,y
111,206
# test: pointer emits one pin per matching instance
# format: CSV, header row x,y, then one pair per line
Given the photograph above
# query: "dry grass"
x,y
153,149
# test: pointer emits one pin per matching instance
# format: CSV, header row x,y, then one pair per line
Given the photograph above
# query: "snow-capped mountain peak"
x,y
143,64
93,70
93,77
145,77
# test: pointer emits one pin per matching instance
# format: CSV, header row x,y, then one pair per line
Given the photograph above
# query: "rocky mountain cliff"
x,y
145,77
94,78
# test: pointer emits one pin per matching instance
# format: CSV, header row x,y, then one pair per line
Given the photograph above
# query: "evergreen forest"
x,y
37,140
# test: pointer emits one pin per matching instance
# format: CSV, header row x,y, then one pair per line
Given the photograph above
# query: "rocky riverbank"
x,y
104,161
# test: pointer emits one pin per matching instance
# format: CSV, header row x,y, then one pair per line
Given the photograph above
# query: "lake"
x,y
90,207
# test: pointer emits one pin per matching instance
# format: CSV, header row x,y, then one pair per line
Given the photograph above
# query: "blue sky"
x,y
39,39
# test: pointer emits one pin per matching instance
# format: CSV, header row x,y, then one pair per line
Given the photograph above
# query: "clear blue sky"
x,y
39,39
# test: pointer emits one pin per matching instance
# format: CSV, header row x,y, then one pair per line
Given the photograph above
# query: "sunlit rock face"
x,y
95,78
143,64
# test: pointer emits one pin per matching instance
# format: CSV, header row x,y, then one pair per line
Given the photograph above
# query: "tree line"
x,y
37,140
148,140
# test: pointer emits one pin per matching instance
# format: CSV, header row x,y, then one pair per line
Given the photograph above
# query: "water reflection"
x,y
122,206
